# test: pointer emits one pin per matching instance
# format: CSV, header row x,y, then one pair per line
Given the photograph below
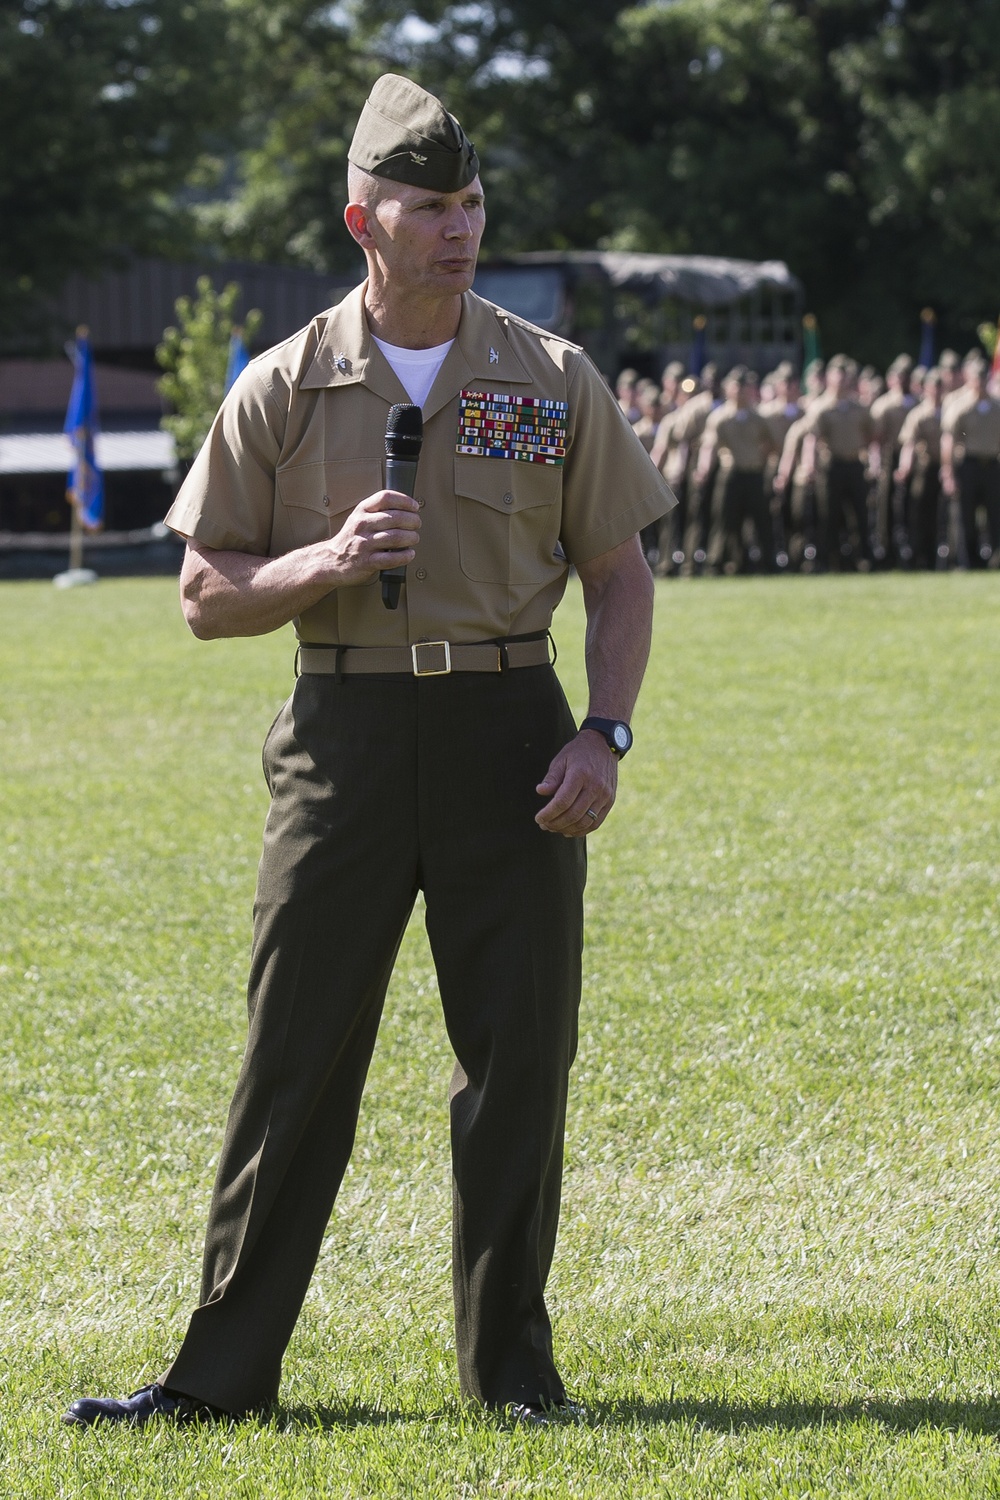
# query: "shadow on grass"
x,y
980,1417
330,1418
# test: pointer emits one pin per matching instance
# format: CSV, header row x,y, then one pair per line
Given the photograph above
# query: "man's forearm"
x,y
618,596
236,593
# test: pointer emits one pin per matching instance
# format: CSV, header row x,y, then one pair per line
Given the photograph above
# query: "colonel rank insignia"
x,y
528,428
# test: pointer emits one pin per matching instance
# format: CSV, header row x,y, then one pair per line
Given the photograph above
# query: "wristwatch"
x,y
615,731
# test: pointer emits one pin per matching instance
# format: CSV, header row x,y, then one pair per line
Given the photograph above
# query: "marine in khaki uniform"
x,y
740,440
795,488
426,746
951,370
670,384
970,447
783,409
647,395
813,382
918,475
889,412
687,432
844,431
670,455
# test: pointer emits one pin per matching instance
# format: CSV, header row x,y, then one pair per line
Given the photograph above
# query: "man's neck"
x,y
417,323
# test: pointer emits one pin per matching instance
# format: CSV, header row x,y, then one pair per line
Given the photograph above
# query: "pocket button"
x,y
508,498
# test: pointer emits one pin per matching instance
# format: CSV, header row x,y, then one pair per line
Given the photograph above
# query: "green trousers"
x,y
383,786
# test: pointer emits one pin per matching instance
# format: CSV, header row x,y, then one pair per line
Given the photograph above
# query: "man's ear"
x,y
356,218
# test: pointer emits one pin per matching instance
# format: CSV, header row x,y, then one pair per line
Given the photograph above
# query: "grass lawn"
x,y
778,1268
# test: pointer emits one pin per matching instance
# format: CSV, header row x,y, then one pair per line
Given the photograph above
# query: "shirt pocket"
x,y
508,518
317,498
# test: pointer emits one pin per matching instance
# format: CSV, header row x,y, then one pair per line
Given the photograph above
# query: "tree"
x,y
194,357
847,137
307,71
104,110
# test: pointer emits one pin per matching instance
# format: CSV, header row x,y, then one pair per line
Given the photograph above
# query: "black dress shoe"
x,y
143,1406
538,1414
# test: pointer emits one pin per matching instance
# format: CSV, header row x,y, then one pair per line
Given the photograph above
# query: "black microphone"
x,y
404,434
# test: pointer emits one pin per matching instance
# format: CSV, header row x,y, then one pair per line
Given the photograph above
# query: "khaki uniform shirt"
x,y
950,397
792,453
300,440
844,427
744,438
889,413
922,428
674,460
779,416
688,423
645,430
974,423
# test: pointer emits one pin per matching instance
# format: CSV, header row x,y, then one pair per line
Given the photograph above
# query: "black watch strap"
x,y
615,731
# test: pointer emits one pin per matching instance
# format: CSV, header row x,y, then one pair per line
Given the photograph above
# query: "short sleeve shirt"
x,y
779,416
743,436
922,428
688,422
845,427
974,423
889,413
527,465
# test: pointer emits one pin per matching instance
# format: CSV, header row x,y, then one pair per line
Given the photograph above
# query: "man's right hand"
x,y
226,593
380,532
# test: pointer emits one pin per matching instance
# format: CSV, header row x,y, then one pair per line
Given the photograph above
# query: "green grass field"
x,y
778,1268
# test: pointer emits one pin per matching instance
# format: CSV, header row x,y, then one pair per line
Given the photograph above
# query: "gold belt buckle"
x,y
418,670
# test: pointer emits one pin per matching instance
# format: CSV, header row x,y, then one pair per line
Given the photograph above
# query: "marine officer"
x,y
670,455
918,475
424,747
889,412
740,441
970,448
844,430
686,431
781,412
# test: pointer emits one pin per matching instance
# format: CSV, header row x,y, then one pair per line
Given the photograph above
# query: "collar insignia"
x,y
494,356
343,363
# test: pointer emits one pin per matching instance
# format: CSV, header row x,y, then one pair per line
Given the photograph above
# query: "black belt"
x,y
423,658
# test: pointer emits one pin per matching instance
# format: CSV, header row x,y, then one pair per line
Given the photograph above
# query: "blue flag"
x,y
85,482
239,358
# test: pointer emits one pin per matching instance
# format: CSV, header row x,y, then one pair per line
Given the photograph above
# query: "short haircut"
x,y
365,188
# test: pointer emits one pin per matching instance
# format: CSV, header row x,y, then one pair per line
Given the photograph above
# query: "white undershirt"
x,y
416,369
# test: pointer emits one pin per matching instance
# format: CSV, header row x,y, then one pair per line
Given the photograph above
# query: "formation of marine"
x,y
841,470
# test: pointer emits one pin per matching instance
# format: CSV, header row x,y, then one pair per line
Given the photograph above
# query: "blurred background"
x,y
842,150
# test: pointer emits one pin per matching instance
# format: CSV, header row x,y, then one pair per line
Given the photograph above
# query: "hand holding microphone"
x,y
404,434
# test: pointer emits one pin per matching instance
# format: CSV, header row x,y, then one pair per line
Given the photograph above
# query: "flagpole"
x,y
85,485
75,540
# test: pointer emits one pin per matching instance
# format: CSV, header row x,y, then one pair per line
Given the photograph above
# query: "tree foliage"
x,y
847,137
851,138
194,357
105,106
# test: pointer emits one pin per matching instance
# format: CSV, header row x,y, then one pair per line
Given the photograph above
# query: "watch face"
x,y
622,737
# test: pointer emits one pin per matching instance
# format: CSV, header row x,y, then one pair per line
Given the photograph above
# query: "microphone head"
x,y
404,431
